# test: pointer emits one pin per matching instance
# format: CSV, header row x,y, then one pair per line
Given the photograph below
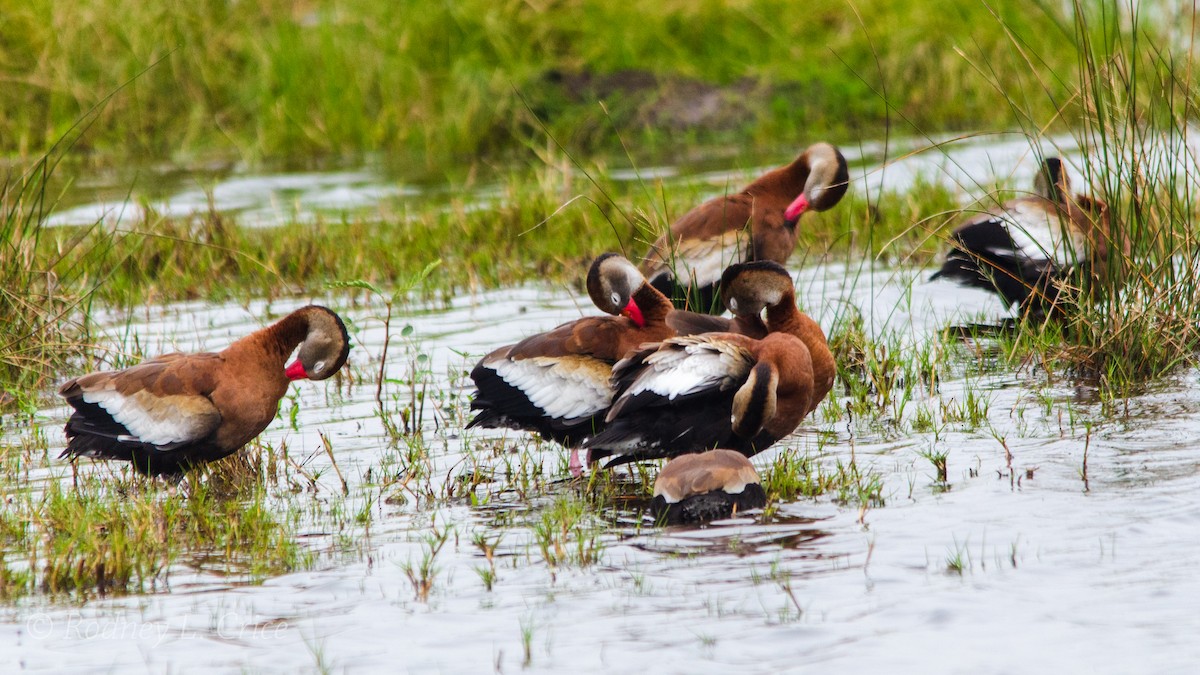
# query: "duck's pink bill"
x,y
634,313
797,207
296,371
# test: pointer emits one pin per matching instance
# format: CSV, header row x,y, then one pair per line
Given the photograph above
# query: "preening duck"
x,y
557,383
1031,249
700,487
764,285
695,393
758,223
177,411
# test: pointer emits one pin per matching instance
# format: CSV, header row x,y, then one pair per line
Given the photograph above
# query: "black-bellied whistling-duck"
x,y
699,487
760,285
698,392
690,394
1028,249
758,223
557,383
177,411
684,322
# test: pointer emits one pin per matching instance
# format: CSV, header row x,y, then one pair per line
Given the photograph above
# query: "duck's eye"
x,y
318,366
616,298
733,304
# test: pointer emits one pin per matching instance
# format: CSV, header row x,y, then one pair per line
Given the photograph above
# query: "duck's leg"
x,y
574,465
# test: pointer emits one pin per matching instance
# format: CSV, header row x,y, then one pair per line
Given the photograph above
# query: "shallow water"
x,y
1054,577
373,190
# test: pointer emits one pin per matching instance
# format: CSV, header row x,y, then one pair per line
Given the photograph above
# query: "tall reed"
x,y
40,327
1132,111
1136,95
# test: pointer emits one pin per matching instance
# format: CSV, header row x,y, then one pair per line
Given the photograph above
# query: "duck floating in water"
x,y
697,488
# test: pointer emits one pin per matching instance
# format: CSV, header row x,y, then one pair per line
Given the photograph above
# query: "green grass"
x,y
1136,320
446,84
103,535
547,223
423,573
40,328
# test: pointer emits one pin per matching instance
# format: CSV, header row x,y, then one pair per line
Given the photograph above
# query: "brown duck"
x,y
758,223
177,411
753,287
700,487
557,383
1032,248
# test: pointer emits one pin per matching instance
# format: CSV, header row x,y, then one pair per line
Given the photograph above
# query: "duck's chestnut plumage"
x,y
1028,249
757,223
177,411
754,287
694,393
699,487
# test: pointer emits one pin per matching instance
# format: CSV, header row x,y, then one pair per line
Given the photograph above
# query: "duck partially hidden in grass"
x,y
177,411
697,488
1033,251
757,223
694,393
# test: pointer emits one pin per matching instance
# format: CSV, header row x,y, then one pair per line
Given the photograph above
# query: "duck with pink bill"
x,y
757,223
177,411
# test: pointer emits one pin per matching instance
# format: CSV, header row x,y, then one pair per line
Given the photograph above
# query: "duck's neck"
x,y
787,182
275,343
784,317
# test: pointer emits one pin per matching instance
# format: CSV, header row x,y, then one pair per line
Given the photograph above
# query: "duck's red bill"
x,y
634,313
296,371
797,207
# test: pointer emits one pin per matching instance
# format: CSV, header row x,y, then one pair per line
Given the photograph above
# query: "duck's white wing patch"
x,y
566,388
158,420
700,262
1041,235
683,366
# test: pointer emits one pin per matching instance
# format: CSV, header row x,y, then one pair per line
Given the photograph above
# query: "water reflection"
x,y
741,535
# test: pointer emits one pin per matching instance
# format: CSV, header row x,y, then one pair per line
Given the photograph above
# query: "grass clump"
x,y
102,536
1135,102
40,327
423,573
791,476
568,534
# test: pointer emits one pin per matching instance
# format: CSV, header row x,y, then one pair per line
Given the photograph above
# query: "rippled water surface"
x,y
1012,565
1053,577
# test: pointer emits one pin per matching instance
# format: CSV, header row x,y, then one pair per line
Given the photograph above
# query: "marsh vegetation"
x,y
1041,471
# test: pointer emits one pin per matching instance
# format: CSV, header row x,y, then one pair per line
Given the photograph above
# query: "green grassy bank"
x,y
446,82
